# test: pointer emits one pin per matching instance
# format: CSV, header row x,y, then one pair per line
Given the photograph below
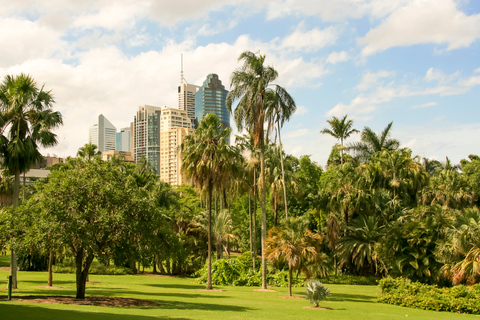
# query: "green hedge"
x,y
402,292
348,279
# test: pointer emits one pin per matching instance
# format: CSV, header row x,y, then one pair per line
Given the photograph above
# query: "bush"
x,y
238,272
402,292
316,292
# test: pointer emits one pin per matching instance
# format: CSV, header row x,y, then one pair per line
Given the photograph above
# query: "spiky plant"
x,y
316,292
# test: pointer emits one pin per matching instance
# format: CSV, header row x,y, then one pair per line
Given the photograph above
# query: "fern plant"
x,y
316,292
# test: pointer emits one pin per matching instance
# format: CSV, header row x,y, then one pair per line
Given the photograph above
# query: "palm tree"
x,y
340,130
209,161
370,143
293,243
280,107
88,152
26,121
250,85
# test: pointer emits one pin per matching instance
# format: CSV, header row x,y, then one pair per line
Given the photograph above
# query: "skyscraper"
x,y
186,97
146,126
210,98
103,134
123,140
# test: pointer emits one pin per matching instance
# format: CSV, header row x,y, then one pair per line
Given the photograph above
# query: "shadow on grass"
x,y
38,313
177,286
182,305
351,297
173,294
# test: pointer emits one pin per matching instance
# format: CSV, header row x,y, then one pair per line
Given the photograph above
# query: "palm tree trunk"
x,y
264,214
289,279
341,151
13,256
50,268
250,222
283,170
209,205
254,217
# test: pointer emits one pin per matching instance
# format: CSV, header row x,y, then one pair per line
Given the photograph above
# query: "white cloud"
x,y
23,40
439,76
336,57
423,21
296,133
425,105
302,40
301,110
370,80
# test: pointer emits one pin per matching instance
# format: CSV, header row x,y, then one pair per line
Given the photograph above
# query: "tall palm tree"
x,y
280,107
26,121
341,129
250,85
370,142
209,161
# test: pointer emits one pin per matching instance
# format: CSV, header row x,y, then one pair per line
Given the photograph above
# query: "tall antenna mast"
x,y
182,79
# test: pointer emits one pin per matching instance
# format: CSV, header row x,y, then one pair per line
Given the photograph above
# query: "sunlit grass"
x,y
180,298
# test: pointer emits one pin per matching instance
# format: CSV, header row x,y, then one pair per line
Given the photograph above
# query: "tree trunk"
x,y
209,205
289,279
13,256
275,210
82,272
254,218
283,171
50,268
341,150
264,214
250,222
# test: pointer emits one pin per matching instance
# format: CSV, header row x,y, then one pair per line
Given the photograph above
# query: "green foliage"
x,y
238,272
316,292
68,266
459,299
350,280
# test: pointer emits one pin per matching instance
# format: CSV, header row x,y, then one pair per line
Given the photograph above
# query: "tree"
x,y
340,130
209,161
27,121
293,243
280,107
88,152
250,85
370,143
93,205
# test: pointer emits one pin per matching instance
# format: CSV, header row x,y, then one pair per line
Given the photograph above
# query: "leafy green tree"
x,y
370,142
295,244
341,129
93,205
88,152
209,161
250,84
27,122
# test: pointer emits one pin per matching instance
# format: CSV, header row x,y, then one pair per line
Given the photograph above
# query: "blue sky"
x,y
413,62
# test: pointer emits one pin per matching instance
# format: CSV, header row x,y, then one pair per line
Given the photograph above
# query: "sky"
x,y
413,62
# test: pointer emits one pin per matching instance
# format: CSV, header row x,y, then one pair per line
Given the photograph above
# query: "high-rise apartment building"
x,y
210,98
103,134
123,140
146,133
175,125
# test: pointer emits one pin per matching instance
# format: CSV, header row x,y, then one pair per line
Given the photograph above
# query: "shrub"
x,y
316,292
348,279
68,266
403,292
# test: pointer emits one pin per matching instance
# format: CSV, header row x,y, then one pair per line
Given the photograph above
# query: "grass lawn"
x,y
180,298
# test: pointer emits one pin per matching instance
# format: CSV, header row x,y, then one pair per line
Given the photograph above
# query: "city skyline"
x,y
414,62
